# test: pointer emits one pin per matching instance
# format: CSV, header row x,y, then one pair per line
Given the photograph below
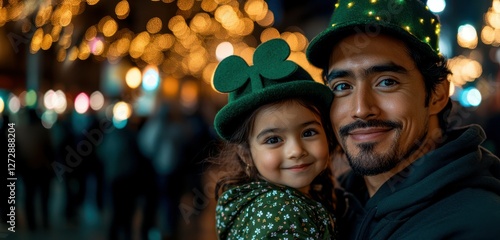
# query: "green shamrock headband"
x,y
271,78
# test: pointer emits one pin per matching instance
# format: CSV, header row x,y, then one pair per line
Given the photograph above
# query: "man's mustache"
x,y
345,130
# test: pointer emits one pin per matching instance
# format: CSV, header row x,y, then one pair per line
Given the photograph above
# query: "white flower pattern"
x,y
265,210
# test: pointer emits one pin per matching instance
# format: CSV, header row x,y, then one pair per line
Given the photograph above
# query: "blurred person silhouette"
x,y
200,144
124,175
163,140
95,134
62,135
34,155
80,156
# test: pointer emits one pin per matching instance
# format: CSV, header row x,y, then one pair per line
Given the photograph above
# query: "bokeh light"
x,y
49,118
14,103
122,9
49,99
96,100
109,27
96,46
154,25
474,97
467,36
133,78
469,97
189,94
464,70
268,34
170,86
122,111
144,105
2,105
30,98
150,78
256,9
22,98
119,124
81,103
92,2
224,49
60,102
452,89
436,6
490,34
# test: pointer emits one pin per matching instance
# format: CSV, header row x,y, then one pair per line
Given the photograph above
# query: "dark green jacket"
x,y
260,210
452,192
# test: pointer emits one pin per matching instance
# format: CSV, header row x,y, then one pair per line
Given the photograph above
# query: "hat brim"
x,y
320,48
230,117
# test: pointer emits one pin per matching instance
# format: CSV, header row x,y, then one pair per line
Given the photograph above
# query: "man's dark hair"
x,y
435,70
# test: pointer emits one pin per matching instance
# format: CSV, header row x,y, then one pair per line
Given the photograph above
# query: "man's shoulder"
x,y
472,202
468,212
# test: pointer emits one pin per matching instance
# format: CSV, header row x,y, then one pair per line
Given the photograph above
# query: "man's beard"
x,y
367,162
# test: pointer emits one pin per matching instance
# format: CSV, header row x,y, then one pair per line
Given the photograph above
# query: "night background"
x,y
113,105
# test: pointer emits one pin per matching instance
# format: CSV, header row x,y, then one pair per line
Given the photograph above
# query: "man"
x,y
411,178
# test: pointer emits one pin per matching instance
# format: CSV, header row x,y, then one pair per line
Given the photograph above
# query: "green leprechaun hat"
x,y
271,78
409,20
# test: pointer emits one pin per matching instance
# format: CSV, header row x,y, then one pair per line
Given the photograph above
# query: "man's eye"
x,y
341,87
388,82
272,140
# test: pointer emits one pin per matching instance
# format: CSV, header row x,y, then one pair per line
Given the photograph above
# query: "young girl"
x,y
278,140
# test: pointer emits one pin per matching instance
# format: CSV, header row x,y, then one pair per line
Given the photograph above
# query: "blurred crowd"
x,y
141,179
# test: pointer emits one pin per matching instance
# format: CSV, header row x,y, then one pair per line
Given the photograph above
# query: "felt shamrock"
x,y
269,62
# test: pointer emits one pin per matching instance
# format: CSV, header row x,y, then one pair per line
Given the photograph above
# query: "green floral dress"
x,y
261,210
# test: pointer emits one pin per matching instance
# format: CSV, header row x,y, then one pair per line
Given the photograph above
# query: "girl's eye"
x,y
388,82
272,140
310,133
341,87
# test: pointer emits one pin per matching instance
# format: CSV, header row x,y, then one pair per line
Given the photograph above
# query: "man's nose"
x,y
364,104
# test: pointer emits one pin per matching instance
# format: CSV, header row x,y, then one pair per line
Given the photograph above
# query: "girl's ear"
x,y
439,97
244,154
